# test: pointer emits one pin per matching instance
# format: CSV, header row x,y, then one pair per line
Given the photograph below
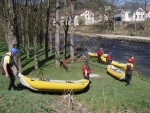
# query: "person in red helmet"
x,y
109,58
99,53
8,62
128,71
86,70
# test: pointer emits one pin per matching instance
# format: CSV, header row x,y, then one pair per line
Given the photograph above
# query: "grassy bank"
x,y
106,94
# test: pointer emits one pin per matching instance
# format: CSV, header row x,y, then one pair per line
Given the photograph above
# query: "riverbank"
x,y
106,94
117,37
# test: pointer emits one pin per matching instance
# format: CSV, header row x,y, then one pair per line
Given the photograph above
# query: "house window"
x,y
139,16
143,16
135,16
129,16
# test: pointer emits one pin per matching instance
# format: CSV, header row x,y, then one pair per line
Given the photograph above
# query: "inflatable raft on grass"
x,y
115,72
38,84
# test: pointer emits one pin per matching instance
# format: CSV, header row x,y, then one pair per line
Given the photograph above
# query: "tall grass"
x,y
106,94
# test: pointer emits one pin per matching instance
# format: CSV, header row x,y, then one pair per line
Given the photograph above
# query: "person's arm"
x,y
85,72
5,69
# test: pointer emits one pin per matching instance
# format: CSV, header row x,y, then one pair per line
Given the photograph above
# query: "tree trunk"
x,y
36,65
26,29
35,20
50,37
57,38
72,32
10,37
11,29
66,28
21,24
47,29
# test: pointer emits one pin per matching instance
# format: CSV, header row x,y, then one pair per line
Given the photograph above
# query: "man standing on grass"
x,y
129,69
86,70
8,62
100,52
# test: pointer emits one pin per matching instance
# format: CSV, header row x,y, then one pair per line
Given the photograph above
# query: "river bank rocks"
x,y
117,37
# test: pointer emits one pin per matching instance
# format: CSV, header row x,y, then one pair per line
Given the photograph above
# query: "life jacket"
x,y
99,52
129,67
86,67
109,57
11,59
2,62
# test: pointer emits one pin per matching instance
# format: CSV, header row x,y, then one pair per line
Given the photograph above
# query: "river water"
x,y
121,50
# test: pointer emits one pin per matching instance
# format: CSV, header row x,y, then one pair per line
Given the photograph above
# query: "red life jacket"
x,y
86,67
99,52
129,67
109,57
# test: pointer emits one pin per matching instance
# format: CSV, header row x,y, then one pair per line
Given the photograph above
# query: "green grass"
x,y
106,94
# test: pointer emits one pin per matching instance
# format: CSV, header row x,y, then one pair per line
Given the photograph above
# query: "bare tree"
x,y
72,29
57,33
47,29
66,26
8,15
35,22
26,31
10,19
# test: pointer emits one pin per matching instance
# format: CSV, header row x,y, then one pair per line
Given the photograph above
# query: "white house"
x,y
131,14
147,8
88,16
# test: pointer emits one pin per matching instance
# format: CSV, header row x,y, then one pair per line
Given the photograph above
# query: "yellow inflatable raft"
x,y
115,72
103,58
53,85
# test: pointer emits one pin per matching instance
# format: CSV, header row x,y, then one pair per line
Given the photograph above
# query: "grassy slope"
x,y
106,94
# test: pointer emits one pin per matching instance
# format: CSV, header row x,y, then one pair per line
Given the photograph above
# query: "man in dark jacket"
x,y
128,69
8,62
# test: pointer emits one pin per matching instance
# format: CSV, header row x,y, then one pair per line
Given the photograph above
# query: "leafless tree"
x,y
10,19
73,2
57,37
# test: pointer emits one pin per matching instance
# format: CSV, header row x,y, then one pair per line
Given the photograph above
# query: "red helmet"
x,y
130,60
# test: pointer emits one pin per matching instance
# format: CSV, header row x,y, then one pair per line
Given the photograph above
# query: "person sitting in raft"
x,y
128,69
109,58
100,52
86,70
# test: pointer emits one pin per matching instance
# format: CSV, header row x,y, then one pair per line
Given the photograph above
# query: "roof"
x,y
130,9
147,8
81,11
